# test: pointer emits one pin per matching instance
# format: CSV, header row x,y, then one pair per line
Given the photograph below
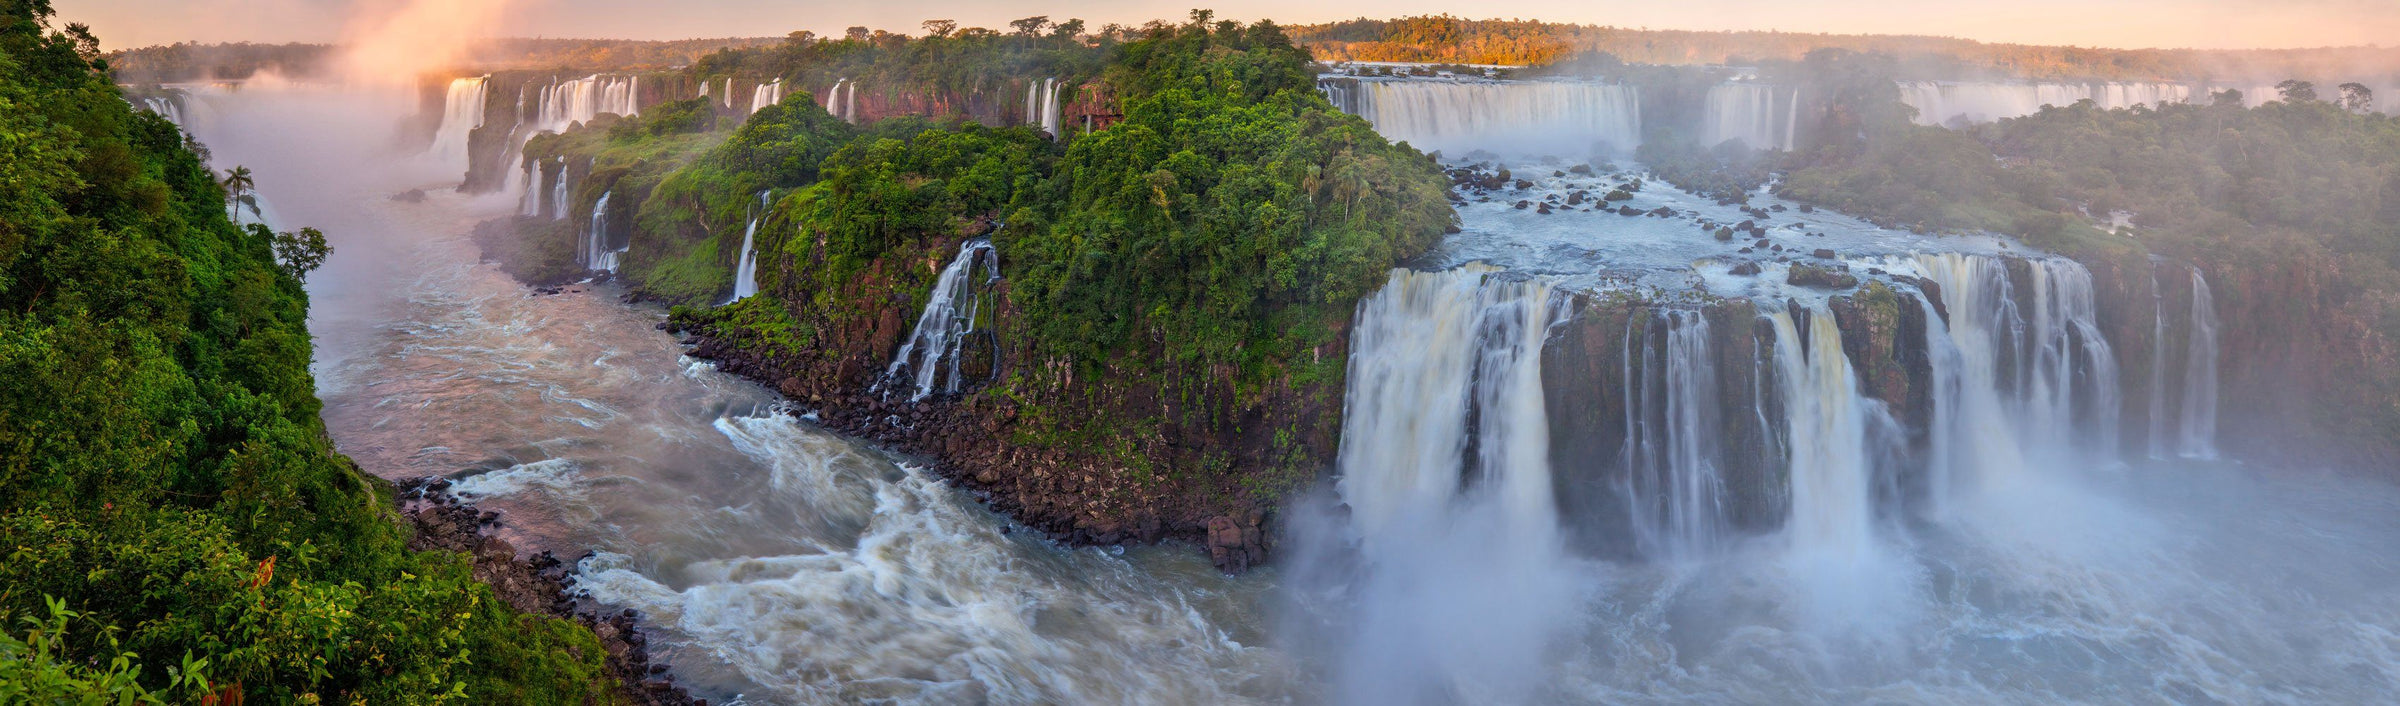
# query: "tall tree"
x,y
239,186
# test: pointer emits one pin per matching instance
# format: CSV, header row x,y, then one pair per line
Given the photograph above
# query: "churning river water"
x,y
780,563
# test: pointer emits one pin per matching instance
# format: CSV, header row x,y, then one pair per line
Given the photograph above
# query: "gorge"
x,y
1170,365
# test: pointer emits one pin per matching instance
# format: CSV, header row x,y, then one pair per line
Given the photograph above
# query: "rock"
x,y
1745,268
1822,253
1819,277
1725,234
1543,209
1618,195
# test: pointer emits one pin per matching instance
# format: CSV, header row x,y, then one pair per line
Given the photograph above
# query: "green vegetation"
x,y
173,520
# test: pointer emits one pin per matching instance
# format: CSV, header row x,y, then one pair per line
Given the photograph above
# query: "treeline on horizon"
x,y
1454,40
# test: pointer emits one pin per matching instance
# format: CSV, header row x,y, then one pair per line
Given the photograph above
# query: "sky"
x,y
2208,24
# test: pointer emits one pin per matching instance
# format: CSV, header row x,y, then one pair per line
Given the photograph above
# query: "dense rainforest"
x,y
175,524
1162,346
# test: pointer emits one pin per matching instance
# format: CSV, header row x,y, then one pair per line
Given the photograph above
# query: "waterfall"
x,y
1937,102
769,93
1042,105
580,100
1832,466
1674,444
745,275
462,112
558,191
1761,116
2021,379
165,107
1542,117
2158,369
598,256
2198,433
527,204
941,333
842,100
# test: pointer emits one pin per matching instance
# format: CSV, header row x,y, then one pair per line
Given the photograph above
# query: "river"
x,y
780,563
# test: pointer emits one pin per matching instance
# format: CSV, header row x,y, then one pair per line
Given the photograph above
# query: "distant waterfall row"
x,y
1940,102
1509,117
1735,419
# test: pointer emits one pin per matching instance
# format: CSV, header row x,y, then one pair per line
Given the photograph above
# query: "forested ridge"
x,y
175,525
1448,39
1192,267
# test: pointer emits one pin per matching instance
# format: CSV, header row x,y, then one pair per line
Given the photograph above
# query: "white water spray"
x,y
950,314
2197,435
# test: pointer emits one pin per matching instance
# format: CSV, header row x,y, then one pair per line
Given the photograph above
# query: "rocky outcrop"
x,y
540,584
1122,457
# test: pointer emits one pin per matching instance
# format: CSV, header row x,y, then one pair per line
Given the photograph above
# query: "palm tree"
x,y
238,187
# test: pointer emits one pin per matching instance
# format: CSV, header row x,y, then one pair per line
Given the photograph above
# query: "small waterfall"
x,y
1042,105
1674,444
598,256
558,191
842,101
1937,102
165,107
769,93
2159,444
1543,117
2197,437
462,112
950,315
527,203
1832,465
1761,116
745,275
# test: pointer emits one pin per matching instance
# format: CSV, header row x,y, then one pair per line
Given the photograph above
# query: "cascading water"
x,y
598,256
558,191
745,275
462,113
1514,117
941,334
1042,105
165,107
842,100
1762,116
2031,380
2159,443
2197,435
1674,446
1832,466
1444,464
1939,102
769,93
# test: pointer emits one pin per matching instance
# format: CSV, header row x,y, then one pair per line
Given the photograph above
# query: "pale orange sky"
x,y
2111,23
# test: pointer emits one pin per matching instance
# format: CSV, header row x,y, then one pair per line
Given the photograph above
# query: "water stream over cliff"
x,y
1908,491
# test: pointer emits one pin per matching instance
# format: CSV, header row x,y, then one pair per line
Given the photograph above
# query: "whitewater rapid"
x,y
778,563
